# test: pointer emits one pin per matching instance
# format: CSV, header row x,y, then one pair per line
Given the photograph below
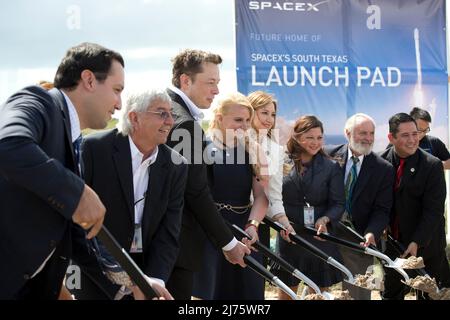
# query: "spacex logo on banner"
x,y
286,6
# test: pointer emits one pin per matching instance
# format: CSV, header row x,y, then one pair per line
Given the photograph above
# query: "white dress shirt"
x,y
141,171
195,111
349,164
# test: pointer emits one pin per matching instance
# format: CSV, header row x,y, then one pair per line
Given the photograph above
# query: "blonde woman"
x,y
231,180
264,120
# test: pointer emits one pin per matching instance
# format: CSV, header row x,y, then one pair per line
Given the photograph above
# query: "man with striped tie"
x,y
368,181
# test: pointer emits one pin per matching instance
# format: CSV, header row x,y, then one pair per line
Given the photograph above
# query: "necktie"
x,y
395,221
398,176
77,150
350,184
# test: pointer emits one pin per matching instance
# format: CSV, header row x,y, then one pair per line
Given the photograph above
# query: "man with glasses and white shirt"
x,y
141,181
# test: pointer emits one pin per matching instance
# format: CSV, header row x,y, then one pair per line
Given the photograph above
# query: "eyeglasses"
x,y
425,131
163,115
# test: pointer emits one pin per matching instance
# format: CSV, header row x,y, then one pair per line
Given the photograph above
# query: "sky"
x,y
148,33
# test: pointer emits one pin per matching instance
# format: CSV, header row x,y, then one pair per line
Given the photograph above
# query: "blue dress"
x,y
230,178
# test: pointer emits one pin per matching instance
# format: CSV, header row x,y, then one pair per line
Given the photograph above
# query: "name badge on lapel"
x,y
136,246
308,215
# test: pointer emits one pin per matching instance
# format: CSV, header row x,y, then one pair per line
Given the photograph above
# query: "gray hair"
x,y
356,119
139,102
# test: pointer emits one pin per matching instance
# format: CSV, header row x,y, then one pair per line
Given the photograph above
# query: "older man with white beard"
x,y
368,181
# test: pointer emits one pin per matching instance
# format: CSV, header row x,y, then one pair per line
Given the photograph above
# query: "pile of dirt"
x,y
423,283
413,263
444,294
341,295
369,281
315,296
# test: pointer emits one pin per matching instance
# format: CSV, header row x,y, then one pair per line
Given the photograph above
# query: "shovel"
x,y
400,248
283,263
359,248
313,249
371,250
266,274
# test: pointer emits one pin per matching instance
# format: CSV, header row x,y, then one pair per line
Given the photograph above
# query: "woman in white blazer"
x,y
263,124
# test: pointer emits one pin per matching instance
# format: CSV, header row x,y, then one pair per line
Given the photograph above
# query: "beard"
x,y
360,148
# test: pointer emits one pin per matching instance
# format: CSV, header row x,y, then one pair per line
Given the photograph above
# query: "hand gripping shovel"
x,y
125,261
283,263
400,248
313,249
372,250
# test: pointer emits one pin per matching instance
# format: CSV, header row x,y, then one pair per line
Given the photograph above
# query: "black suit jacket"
x,y
372,196
108,170
187,137
419,202
38,188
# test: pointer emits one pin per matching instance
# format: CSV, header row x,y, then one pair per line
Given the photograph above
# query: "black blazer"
x,y
321,186
38,187
372,196
419,201
200,213
108,170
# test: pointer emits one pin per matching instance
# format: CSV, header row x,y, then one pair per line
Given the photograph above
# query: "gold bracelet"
x,y
253,222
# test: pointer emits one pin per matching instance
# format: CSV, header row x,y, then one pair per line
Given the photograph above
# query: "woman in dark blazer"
x,y
313,194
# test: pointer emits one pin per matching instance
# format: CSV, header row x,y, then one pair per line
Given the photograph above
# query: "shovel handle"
x,y
258,268
266,251
342,242
360,237
298,240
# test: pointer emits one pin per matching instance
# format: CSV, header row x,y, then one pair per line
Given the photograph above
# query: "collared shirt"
x,y
349,164
75,128
195,111
141,171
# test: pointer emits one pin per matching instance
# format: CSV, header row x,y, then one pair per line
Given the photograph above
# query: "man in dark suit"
x,y
195,84
368,203
417,218
41,191
141,181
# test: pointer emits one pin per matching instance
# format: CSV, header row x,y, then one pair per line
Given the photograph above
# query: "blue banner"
x,y
334,58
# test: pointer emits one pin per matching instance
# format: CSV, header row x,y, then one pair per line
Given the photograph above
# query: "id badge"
x,y
136,246
308,215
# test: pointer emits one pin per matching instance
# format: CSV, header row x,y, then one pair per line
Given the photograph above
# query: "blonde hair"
x,y
251,146
223,108
259,99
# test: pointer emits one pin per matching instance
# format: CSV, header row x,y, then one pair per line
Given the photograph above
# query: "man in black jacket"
x,y
417,218
369,203
195,84
41,191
